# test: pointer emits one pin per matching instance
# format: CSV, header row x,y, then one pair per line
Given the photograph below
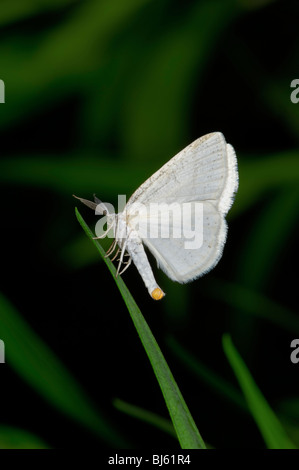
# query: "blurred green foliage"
x,y
99,94
12,438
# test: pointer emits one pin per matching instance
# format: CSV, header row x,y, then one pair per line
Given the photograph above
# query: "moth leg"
x,y
110,249
127,264
115,254
121,258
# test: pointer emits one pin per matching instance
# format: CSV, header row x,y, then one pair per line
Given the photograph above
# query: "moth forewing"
x,y
204,177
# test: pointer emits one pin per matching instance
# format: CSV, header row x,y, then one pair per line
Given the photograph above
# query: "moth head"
x,y
101,209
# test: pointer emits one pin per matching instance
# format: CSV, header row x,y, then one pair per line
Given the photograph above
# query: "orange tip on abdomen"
x,y
157,294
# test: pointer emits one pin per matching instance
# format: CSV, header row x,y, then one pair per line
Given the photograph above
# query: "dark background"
x,y
98,95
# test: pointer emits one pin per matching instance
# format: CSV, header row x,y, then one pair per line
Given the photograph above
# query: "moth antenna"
x,y
97,200
97,206
90,204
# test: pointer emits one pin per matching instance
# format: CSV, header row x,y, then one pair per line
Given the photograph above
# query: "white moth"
x,y
199,182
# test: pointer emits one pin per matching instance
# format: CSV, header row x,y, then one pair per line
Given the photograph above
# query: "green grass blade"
x,y
270,427
38,366
185,427
146,416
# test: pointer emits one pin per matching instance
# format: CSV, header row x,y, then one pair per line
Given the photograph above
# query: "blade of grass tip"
x,y
270,427
185,427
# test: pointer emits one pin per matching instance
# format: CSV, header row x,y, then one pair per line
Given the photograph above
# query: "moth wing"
x,y
188,250
204,170
203,173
